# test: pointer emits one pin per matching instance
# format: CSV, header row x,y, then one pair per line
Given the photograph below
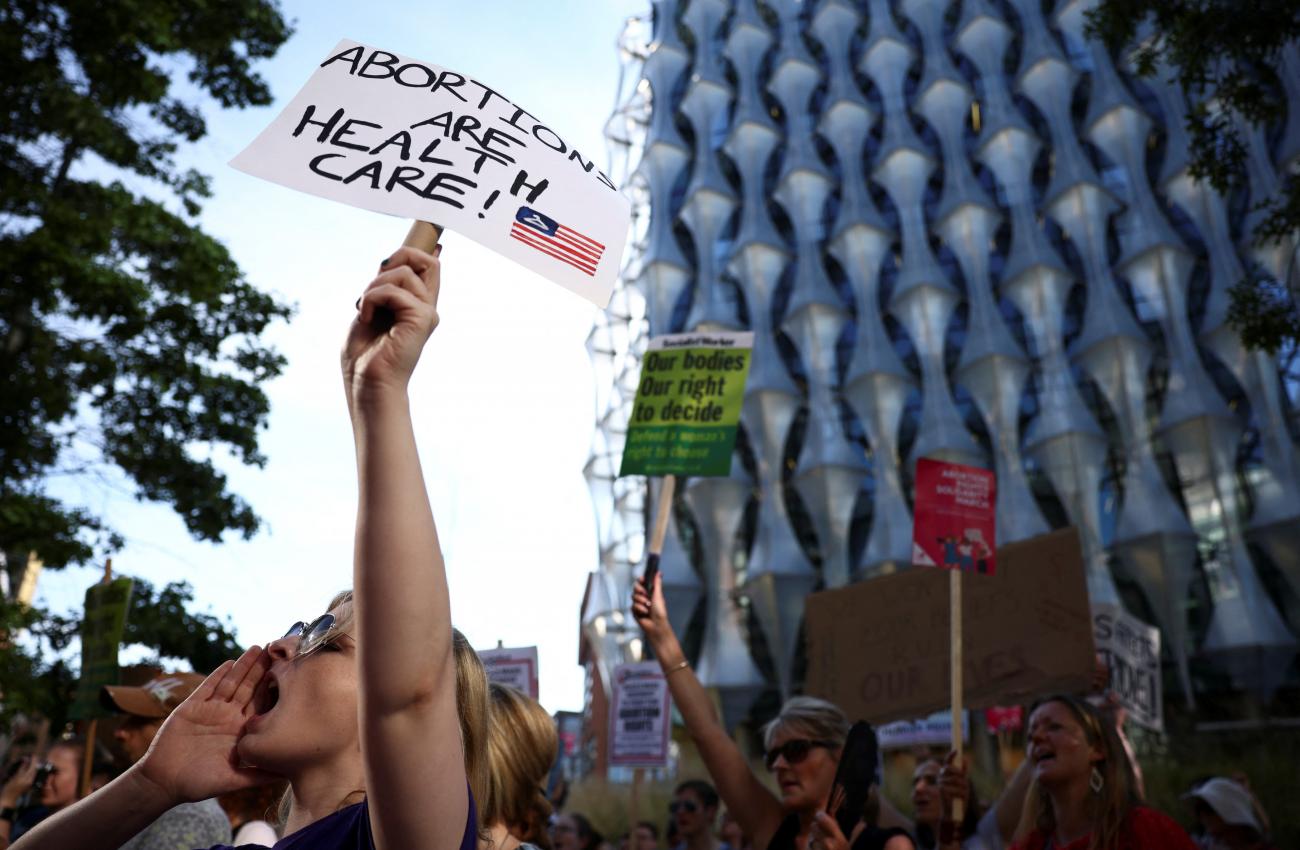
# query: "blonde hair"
x,y
1108,808
471,708
810,716
522,745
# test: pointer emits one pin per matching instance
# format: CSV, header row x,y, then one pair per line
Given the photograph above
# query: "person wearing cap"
x,y
1229,815
188,825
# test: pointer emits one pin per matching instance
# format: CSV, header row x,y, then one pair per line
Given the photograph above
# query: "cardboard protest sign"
x,y
954,524
688,405
879,648
639,718
101,633
932,731
1131,649
392,134
514,667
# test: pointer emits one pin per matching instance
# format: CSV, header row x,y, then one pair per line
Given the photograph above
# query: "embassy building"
x,y
958,229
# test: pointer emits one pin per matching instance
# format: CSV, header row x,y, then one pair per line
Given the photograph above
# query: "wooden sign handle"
x,y
954,599
88,757
423,235
660,530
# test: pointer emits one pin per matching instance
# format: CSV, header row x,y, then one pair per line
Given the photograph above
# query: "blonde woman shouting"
x,y
358,707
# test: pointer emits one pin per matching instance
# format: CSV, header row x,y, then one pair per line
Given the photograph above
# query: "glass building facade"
x,y
958,229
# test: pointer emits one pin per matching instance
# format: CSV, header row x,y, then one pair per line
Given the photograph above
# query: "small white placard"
x,y
515,667
1131,649
932,731
639,716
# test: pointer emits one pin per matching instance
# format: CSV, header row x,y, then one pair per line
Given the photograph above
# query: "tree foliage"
x,y
1224,54
129,338
161,620
38,675
35,678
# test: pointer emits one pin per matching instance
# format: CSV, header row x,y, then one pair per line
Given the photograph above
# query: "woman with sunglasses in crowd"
x,y
803,747
1082,793
359,710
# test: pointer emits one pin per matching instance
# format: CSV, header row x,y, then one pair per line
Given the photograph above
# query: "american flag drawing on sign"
x,y
555,240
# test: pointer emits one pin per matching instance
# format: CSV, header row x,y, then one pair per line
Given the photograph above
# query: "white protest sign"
x,y
514,667
639,716
1131,649
932,731
392,134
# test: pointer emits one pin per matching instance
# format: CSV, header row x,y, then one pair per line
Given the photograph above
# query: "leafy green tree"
x,y
129,338
35,678
38,675
162,621
1224,54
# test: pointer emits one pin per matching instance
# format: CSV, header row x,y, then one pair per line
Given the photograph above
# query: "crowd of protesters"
x,y
374,726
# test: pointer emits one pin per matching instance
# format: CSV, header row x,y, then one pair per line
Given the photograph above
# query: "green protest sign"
x,y
688,404
101,632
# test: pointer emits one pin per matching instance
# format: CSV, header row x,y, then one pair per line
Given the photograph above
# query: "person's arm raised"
x,y
749,801
1011,802
410,734
12,792
193,757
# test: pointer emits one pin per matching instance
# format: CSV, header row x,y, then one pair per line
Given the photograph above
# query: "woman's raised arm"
x,y
410,735
749,801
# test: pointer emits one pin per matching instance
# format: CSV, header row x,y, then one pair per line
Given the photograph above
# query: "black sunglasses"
x,y
794,751
687,806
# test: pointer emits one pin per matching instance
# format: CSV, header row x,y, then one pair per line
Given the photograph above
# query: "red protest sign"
x,y
1004,718
955,524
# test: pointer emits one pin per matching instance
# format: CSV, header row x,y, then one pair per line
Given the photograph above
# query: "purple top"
x,y
349,829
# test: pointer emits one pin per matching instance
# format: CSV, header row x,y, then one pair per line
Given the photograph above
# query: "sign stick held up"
x,y
88,759
662,510
685,417
422,236
954,527
954,602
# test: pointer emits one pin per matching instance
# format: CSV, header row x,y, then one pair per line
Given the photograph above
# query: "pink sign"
x,y
1004,719
955,525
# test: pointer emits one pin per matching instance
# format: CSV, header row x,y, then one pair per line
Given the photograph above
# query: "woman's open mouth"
x,y
267,696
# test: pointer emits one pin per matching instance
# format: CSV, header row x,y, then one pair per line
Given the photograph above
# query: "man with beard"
x,y
188,825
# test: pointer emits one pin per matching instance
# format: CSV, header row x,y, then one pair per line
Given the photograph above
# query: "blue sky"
x,y
503,400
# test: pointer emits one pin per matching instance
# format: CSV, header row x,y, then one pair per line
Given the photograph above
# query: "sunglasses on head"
x,y
687,806
312,636
794,751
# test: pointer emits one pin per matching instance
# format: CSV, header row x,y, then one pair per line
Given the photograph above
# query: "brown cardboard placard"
x,y
879,649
